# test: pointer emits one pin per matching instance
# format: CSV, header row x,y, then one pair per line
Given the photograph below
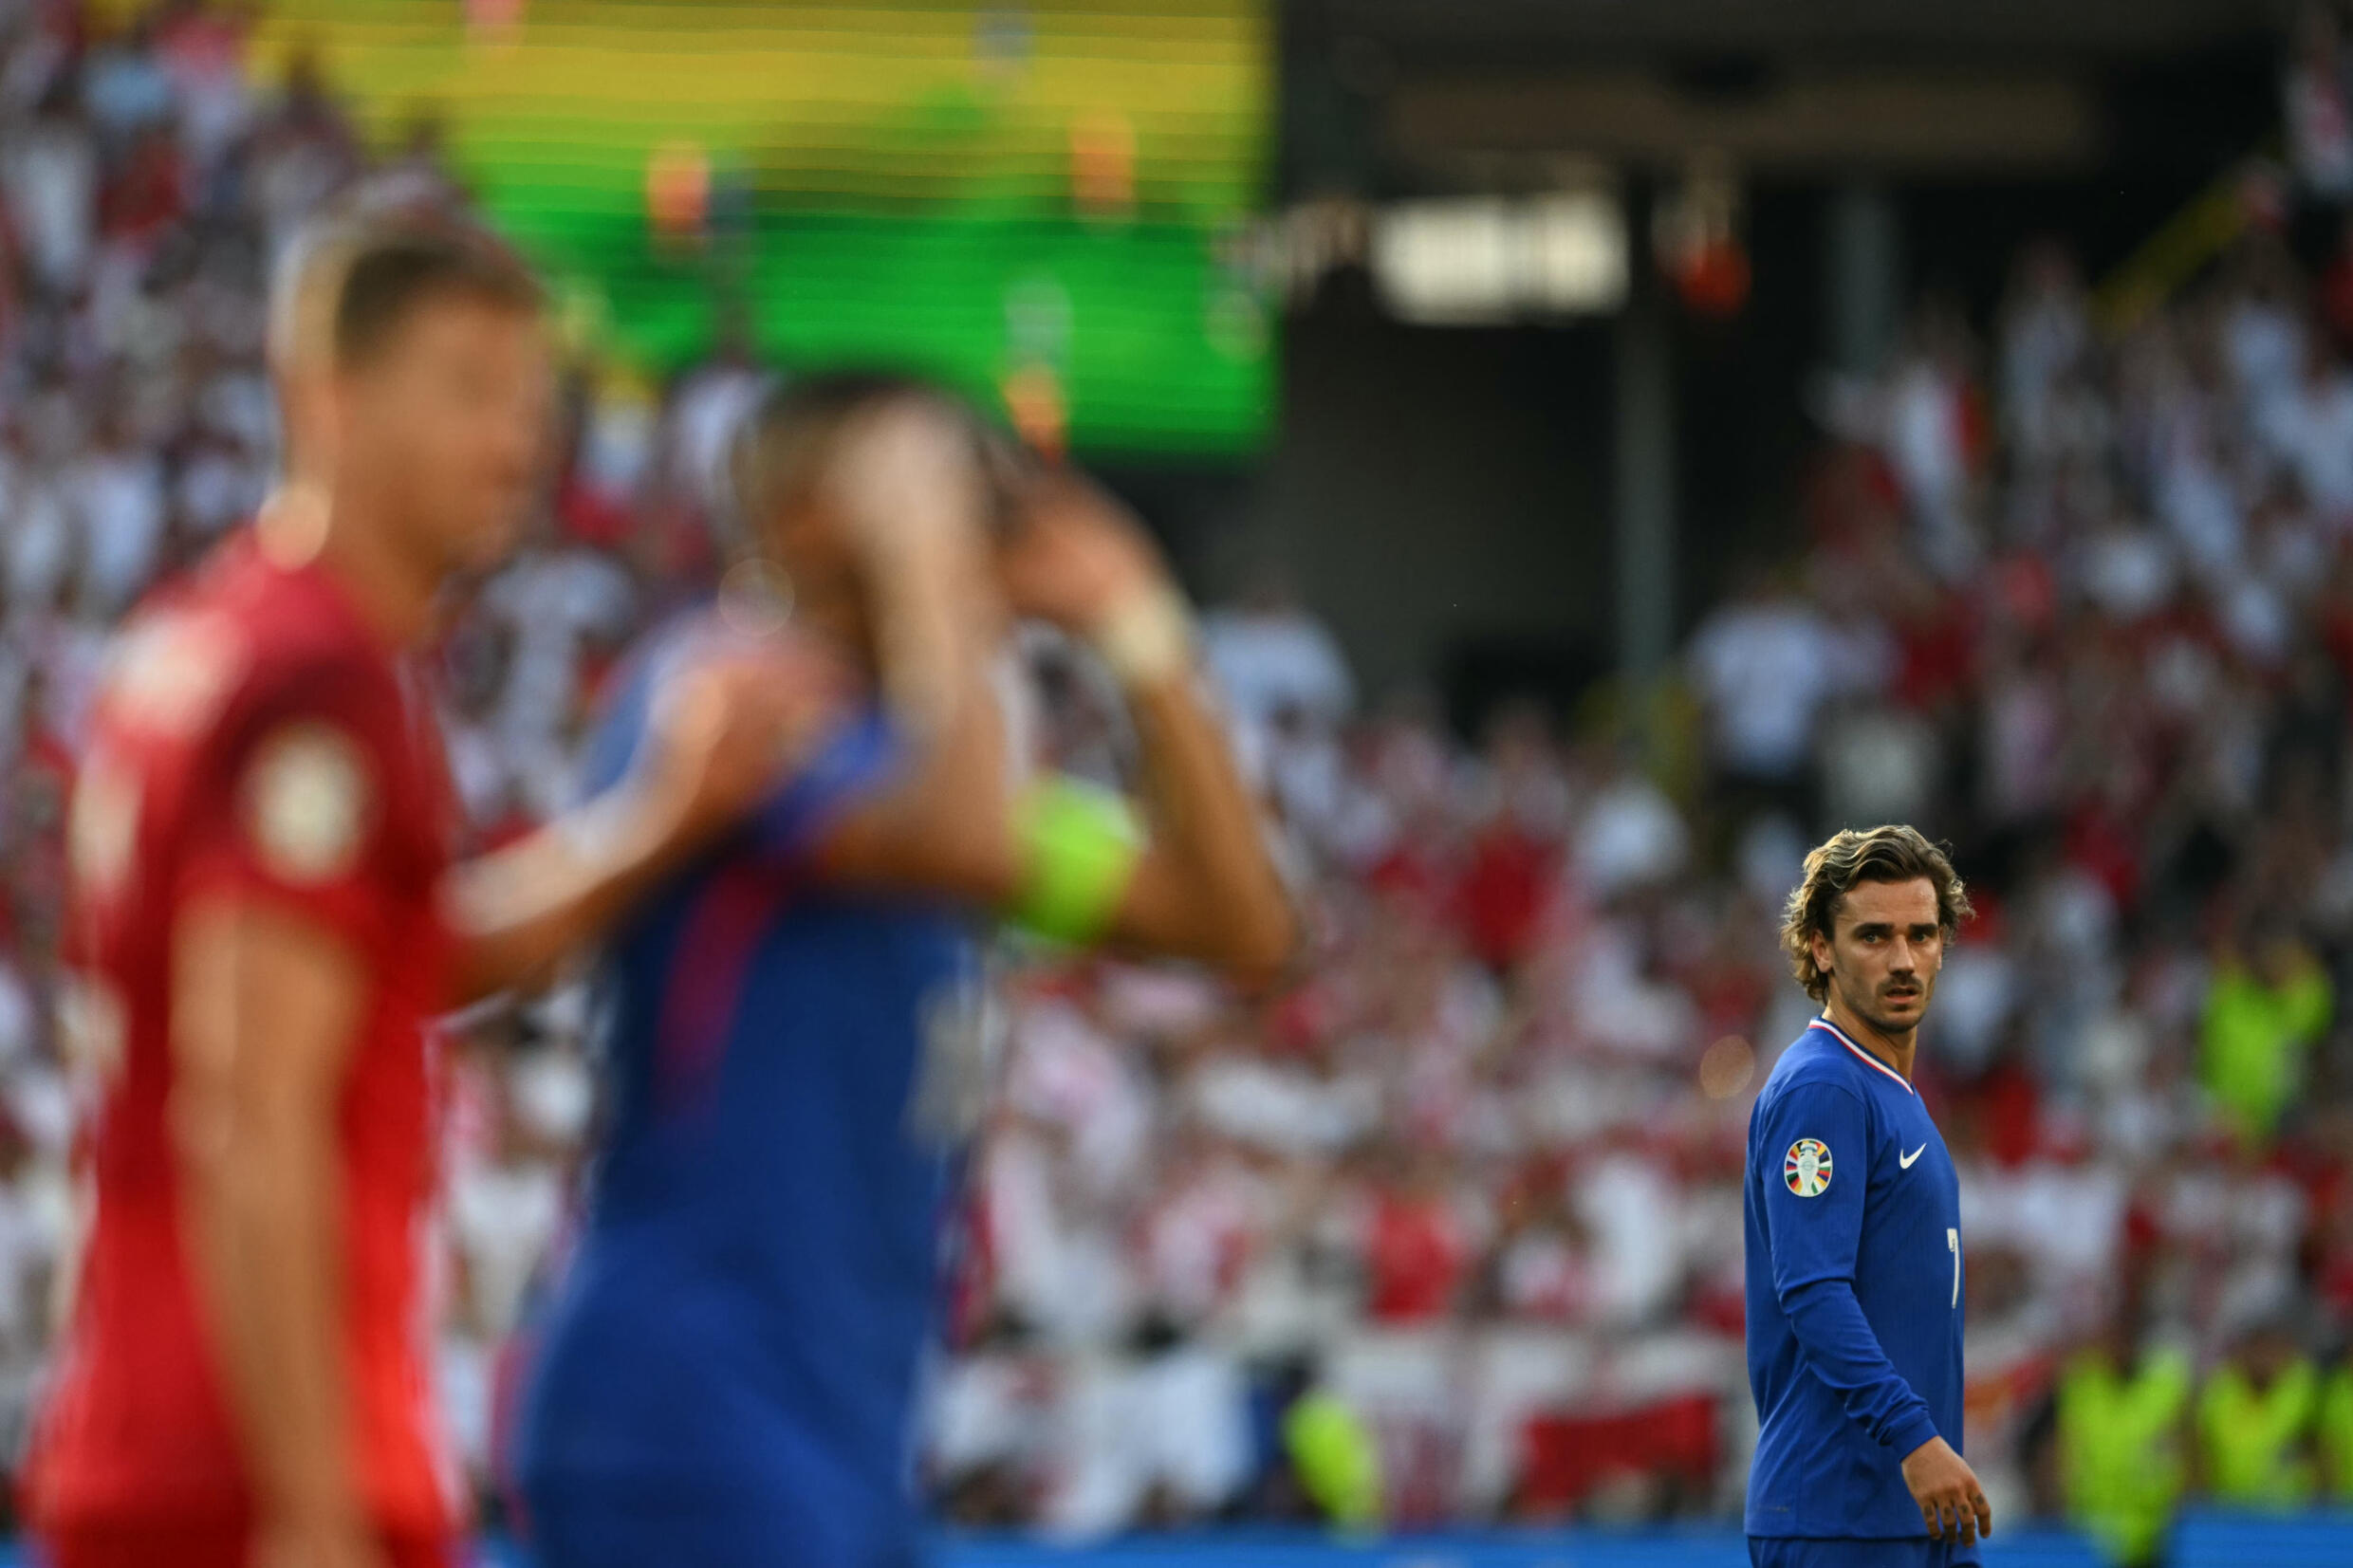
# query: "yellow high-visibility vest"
x,y
2336,1428
1337,1459
2250,1439
2119,1450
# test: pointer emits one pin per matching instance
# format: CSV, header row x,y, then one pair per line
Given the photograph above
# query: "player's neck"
x,y
392,591
1896,1049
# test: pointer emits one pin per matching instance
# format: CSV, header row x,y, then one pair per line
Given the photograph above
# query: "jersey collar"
x,y
1861,1055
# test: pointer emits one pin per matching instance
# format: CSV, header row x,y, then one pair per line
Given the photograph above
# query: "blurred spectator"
x,y
504,1211
2123,1441
2255,1422
1931,436
1335,1458
116,491
1275,662
2335,1445
1630,836
704,409
1417,1248
2309,424
125,86
2320,128
1764,664
2045,335
2264,1010
303,150
49,170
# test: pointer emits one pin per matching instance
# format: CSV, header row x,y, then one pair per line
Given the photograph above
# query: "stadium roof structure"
x,y
1892,87
1852,27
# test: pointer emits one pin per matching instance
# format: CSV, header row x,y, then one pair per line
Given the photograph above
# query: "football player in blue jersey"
x,y
1854,1238
728,1374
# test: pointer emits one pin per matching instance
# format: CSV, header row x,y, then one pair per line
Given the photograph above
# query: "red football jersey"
x,y
252,737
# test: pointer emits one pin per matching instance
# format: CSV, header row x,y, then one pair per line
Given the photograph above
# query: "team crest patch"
x,y
307,802
1808,1168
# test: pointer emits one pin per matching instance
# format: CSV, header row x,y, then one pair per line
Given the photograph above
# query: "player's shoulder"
x,y
196,643
173,666
298,630
225,658
291,607
1815,1063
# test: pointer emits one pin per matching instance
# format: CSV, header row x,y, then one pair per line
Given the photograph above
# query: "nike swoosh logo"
x,y
1905,1160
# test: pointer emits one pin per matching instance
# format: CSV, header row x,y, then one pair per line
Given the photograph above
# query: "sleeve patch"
x,y
307,800
1806,1167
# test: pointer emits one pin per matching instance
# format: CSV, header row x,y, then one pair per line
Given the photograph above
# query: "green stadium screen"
x,y
1041,203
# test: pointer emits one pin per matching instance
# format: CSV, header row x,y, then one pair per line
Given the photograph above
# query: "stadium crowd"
x,y
1450,1229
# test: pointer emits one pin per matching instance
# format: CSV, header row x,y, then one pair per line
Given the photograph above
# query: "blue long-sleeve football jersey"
x,y
1854,1293
728,1374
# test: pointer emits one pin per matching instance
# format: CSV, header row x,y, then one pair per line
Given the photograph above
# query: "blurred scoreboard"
x,y
1042,203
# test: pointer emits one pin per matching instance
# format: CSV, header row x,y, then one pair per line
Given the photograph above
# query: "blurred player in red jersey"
x,y
265,922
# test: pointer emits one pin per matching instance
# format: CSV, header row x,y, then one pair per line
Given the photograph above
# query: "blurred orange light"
x,y
1715,279
677,188
1102,163
495,19
1727,1067
1033,401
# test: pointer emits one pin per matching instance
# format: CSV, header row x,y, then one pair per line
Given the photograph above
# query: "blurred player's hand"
x,y
344,1543
914,503
735,725
909,491
1946,1488
1078,558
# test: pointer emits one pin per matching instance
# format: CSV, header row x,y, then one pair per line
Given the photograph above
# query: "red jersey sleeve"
x,y
293,795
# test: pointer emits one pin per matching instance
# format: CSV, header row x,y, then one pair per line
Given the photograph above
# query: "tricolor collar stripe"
x,y
1861,1055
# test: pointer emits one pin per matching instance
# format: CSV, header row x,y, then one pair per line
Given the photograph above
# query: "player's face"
x,y
1886,952
453,416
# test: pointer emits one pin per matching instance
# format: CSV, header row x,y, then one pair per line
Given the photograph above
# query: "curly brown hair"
x,y
1891,853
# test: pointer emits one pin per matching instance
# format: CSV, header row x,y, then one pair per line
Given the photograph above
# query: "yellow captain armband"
x,y
1079,846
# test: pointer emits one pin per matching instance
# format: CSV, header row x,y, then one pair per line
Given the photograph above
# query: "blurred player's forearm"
x,y
911,492
944,830
1208,887
730,731
1205,886
913,495
518,913
267,1014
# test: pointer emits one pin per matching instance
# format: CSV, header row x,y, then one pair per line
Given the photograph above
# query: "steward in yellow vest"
x,y
2255,1421
2123,1452
2336,1430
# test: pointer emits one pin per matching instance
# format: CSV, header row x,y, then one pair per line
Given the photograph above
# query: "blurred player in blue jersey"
x,y
1854,1238
727,1378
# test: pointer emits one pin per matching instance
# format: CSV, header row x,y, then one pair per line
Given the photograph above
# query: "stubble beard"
x,y
1866,1009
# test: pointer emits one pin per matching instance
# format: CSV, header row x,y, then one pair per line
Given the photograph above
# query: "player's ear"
x,y
1821,951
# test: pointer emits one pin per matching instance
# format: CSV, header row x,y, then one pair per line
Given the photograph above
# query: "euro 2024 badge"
x,y
1808,1168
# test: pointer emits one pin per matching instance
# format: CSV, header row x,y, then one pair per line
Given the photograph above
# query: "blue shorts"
x,y
1858,1552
